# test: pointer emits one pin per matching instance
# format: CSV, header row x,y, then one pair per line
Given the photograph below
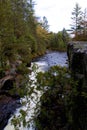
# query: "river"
x,y
51,59
43,63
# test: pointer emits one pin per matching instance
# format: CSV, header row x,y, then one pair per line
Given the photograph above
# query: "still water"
x,y
43,63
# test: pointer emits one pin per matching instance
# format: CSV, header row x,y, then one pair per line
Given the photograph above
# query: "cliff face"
x,y
77,56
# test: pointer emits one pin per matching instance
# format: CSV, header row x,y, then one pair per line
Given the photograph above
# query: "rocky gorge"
x,y
77,57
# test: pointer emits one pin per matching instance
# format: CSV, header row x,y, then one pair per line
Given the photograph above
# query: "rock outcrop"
x,y
8,105
77,56
9,102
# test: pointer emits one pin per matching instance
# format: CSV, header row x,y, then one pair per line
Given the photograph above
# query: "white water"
x,y
43,63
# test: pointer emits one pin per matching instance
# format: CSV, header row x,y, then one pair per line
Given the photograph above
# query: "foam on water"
x,y
43,63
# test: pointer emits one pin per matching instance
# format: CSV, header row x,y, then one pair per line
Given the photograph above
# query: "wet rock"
x,y
8,105
28,64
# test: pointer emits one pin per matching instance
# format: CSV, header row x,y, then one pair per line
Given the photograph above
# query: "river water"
x,y
43,63
51,59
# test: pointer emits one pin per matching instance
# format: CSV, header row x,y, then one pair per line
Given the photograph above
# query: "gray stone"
x,y
77,57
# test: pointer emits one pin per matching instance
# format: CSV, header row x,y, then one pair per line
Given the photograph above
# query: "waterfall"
x,y
43,63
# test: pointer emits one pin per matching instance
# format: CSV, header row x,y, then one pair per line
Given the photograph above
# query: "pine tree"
x,y
76,17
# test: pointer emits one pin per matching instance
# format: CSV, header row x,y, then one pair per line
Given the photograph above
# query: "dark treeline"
x,y
59,40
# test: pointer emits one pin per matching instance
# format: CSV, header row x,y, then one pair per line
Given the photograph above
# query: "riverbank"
x,y
46,61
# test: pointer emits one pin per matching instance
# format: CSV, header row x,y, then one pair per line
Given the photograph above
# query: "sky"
x,y
57,12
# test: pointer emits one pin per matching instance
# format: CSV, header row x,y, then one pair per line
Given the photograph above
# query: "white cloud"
x,y
58,12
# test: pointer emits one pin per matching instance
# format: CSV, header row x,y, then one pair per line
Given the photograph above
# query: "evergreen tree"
x,y
76,17
45,23
84,25
65,36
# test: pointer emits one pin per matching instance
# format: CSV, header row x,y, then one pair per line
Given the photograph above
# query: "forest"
x,y
24,37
